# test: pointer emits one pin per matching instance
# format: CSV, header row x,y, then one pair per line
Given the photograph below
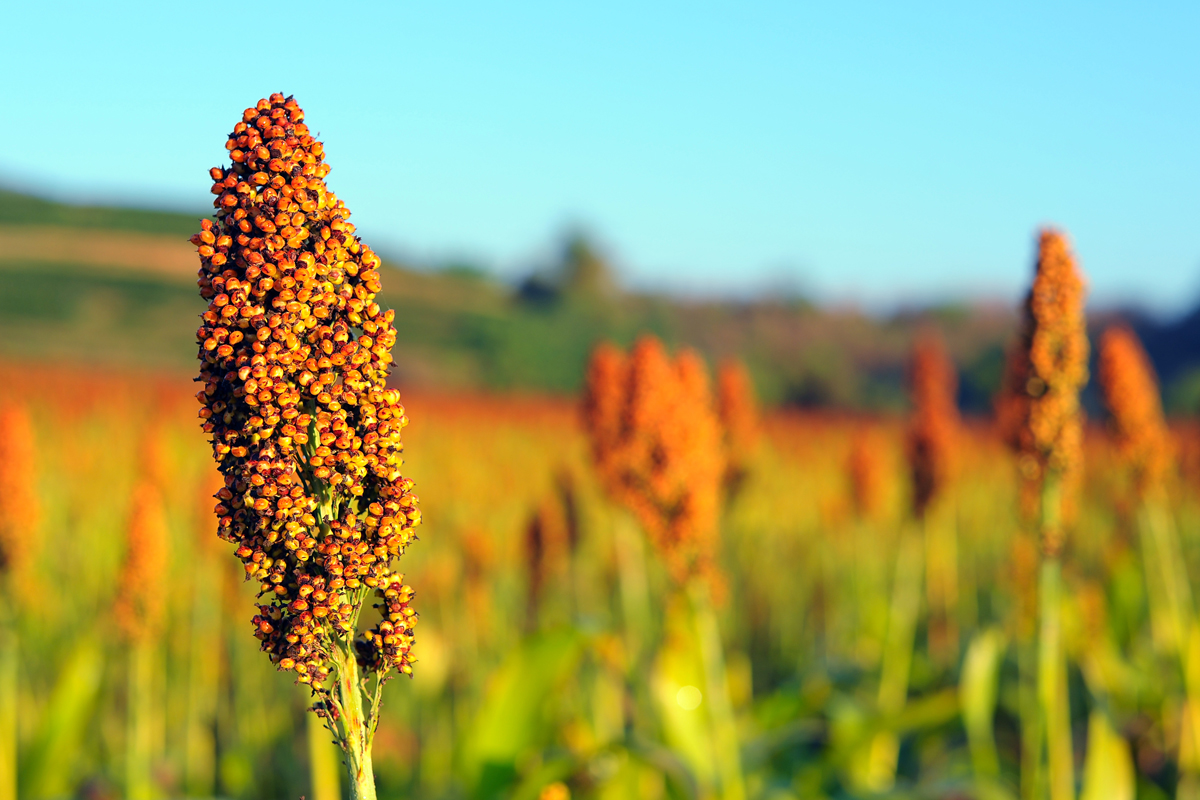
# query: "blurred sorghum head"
x,y
295,353
143,582
1131,395
19,508
934,427
867,474
657,447
738,411
1048,367
1038,410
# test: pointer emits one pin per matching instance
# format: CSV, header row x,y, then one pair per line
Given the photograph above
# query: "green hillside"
x,y
22,209
130,298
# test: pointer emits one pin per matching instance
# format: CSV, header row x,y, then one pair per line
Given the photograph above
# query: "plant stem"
x,y
203,682
634,588
1031,721
728,751
322,761
941,584
1177,606
1052,667
897,660
355,727
140,705
8,703
1052,685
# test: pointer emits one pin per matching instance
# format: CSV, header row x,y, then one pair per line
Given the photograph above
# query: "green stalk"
x,y
355,733
1052,684
322,762
1178,608
967,605
1176,588
8,703
1031,721
140,710
1052,667
728,751
897,660
978,688
941,585
635,590
203,680
1189,762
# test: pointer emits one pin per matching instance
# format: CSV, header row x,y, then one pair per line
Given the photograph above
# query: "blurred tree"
x,y
584,272
581,276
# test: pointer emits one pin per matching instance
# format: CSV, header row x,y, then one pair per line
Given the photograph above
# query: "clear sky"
x,y
877,152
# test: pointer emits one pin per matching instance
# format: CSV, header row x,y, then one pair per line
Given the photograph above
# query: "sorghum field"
x,y
652,587
865,652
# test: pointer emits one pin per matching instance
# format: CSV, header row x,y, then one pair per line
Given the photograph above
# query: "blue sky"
x,y
865,152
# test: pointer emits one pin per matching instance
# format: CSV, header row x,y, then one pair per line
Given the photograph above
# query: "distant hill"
x,y
117,285
23,209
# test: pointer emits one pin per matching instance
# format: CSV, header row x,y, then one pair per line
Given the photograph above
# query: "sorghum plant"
x,y
19,509
295,353
737,410
933,427
548,546
19,512
1130,391
1041,416
141,590
933,433
1043,423
1131,396
657,446
866,475
930,442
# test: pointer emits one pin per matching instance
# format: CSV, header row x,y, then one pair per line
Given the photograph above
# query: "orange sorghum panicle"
x,y
694,441
19,507
295,353
933,429
656,443
1039,409
1130,391
603,396
143,581
866,471
547,545
738,412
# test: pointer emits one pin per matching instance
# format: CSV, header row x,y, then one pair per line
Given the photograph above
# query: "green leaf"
x,y
977,695
1108,772
512,720
46,770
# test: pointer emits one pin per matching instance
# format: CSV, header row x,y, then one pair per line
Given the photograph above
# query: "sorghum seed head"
x,y
295,353
19,507
1130,391
657,446
1038,410
738,412
866,470
933,427
142,583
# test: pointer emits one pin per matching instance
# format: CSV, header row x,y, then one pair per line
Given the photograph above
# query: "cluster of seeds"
x,y
934,428
867,474
1131,395
738,412
1038,409
19,510
657,446
141,586
295,353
